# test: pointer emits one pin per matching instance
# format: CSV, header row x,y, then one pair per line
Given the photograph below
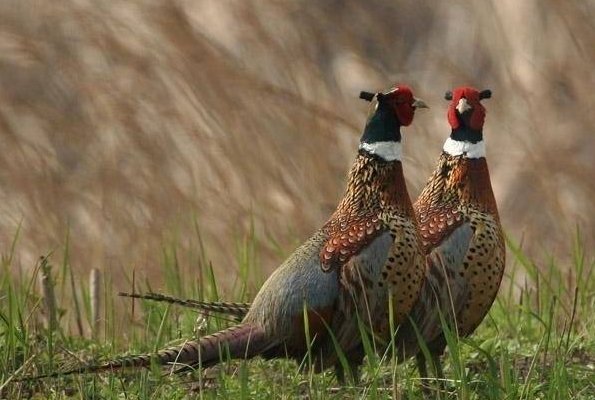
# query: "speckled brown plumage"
x,y
377,201
460,189
458,194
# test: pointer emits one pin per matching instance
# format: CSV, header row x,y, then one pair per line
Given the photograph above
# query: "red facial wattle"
x,y
404,105
477,113
405,113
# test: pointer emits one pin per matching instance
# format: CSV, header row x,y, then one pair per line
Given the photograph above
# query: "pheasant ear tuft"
x,y
485,94
448,95
367,96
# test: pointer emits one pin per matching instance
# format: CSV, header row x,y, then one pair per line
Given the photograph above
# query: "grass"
x,y
537,342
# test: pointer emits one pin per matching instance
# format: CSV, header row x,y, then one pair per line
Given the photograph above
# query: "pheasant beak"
x,y
419,103
463,106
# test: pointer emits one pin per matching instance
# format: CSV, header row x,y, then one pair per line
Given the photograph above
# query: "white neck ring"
x,y
464,148
388,151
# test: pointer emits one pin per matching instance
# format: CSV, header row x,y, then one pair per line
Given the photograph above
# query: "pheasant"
x,y
341,275
458,190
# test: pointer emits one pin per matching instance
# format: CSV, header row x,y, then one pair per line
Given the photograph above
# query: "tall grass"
x,y
536,343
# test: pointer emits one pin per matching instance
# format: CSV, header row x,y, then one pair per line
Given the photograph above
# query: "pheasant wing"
x,y
348,235
437,222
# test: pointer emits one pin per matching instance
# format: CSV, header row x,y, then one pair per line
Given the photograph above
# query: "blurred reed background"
x,y
120,121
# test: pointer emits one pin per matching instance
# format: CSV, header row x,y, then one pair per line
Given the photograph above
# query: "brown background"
x,y
123,121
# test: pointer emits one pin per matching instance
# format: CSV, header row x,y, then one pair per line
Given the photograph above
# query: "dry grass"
x,y
123,119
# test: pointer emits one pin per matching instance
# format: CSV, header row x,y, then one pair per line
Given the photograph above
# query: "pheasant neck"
x,y
376,184
462,180
387,151
464,148
475,187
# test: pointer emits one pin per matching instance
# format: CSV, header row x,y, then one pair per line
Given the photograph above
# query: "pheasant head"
x,y
388,112
464,170
466,116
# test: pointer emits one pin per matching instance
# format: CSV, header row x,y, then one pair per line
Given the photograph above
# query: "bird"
x,y
367,252
458,190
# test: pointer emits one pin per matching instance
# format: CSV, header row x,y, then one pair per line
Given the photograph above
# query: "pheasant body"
x,y
460,187
389,213
375,215
458,190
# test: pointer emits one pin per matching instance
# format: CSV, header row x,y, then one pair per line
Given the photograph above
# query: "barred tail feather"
x,y
229,308
240,341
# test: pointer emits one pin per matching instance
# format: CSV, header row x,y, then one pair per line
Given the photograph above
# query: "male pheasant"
x,y
458,190
341,275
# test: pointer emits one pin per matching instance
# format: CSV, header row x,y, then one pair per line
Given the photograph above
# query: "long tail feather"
x,y
229,308
239,341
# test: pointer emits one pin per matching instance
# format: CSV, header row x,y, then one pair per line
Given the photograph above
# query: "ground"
x,y
536,343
